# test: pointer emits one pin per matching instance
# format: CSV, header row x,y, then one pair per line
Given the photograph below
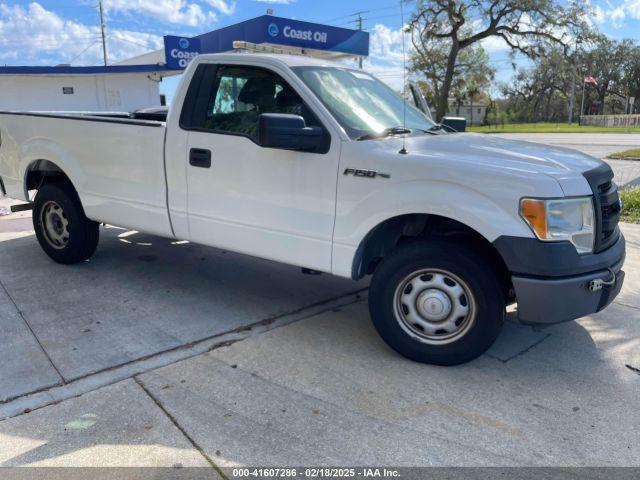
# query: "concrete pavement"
x,y
137,297
327,390
116,426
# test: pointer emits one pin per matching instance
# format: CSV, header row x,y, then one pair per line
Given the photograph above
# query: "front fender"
x,y
355,218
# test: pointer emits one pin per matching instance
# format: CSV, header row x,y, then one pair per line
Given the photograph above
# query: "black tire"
x,y
387,296
81,234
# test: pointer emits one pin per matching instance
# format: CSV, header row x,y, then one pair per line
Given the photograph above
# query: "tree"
x,y
451,27
542,92
472,71
611,63
631,76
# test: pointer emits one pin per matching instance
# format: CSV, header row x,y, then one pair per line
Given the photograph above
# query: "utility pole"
x,y
572,95
104,39
360,28
584,85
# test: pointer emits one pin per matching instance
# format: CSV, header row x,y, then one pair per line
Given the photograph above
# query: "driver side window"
x,y
237,96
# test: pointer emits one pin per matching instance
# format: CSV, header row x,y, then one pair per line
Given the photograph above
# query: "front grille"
x,y
604,187
607,206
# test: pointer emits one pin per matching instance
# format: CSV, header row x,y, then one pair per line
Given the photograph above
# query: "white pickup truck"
x,y
324,167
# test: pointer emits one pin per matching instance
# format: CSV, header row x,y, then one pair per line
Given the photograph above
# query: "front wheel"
x,y
437,302
62,229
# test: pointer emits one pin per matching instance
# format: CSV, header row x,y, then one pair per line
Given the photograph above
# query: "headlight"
x,y
556,220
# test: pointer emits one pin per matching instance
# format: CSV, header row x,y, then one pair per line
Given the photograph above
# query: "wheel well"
x,y
41,172
391,233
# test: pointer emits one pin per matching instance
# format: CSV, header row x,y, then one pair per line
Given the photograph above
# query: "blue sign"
x,y
179,51
315,36
284,31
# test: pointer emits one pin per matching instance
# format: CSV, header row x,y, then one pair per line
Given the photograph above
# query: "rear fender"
x,y
42,149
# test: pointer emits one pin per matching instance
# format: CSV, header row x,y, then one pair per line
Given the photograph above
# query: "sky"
x,y
51,32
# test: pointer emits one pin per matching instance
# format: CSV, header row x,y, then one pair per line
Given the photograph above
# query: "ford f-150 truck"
x,y
324,167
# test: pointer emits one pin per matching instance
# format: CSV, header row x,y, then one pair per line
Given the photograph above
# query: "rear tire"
x,y
62,229
437,302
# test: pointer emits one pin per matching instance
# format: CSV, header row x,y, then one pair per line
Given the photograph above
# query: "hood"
x,y
563,164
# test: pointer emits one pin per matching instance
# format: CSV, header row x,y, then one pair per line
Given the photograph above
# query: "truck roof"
x,y
275,58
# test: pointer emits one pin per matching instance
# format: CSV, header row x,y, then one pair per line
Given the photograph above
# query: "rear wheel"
x,y
62,229
437,302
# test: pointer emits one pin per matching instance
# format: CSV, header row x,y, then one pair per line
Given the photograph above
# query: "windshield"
x,y
361,103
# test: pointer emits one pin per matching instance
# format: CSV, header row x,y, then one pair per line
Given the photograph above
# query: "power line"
x,y
83,51
379,17
360,12
114,37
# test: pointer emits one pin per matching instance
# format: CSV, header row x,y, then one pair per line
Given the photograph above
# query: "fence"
x,y
610,120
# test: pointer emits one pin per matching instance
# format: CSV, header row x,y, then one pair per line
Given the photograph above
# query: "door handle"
x,y
200,158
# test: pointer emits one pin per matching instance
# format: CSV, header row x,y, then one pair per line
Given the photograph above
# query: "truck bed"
x,y
115,163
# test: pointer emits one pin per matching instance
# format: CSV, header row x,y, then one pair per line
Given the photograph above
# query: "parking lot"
x,y
163,353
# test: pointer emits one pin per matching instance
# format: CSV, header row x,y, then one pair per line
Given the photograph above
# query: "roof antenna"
x,y
404,85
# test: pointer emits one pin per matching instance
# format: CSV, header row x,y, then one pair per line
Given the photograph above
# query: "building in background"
x,y
474,114
95,89
134,83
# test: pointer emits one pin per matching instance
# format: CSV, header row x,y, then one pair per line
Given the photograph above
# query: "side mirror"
x,y
456,124
289,132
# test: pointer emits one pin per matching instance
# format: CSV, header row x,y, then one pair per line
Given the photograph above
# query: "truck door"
x,y
271,203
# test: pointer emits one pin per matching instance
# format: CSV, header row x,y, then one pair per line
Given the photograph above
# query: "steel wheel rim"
x,y
434,306
55,225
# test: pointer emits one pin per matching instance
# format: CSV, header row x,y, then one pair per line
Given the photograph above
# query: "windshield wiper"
x,y
387,132
441,127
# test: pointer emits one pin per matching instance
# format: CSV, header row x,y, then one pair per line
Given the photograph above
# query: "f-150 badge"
x,y
365,173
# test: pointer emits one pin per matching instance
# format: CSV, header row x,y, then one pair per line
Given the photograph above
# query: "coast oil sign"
x,y
291,32
179,51
283,31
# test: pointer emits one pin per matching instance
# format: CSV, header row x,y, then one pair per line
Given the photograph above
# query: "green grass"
x,y
631,210
632,154
548,128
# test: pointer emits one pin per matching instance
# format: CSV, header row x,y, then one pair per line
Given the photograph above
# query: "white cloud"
x,y
633,8
386,58
45,38
277,2
494,45
170,11
617,12
225,7
386,43
599,15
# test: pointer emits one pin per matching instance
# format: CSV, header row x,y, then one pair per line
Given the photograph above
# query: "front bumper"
x,y
562,299
552,282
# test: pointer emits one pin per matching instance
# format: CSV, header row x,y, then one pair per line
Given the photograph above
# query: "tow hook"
x,y
598,284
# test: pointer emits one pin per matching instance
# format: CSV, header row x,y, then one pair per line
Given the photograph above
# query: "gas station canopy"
x,y
265,33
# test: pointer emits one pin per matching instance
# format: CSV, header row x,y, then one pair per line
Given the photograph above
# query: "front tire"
x,y
437,302
62,229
